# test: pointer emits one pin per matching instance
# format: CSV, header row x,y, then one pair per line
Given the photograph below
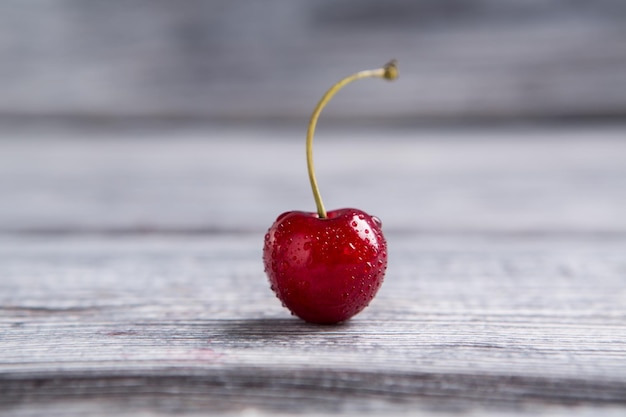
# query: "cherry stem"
x,y
388,72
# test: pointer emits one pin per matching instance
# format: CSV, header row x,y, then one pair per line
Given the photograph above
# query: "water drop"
x,y
378,222
354,224
347,250
306,246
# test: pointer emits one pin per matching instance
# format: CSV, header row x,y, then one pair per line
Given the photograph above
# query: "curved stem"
x,y
388,72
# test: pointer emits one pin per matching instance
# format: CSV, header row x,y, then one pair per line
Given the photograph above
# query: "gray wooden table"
x,y
131,280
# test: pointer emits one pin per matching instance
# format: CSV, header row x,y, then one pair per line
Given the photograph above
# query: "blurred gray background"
x,y
240,61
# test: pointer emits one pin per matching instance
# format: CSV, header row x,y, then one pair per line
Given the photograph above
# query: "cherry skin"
x,y
325,270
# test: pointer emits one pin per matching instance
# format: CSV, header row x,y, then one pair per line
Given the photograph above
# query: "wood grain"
x,y
492,180
242,60
131,280
191,324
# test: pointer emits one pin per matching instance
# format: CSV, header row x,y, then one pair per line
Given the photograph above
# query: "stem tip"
x,y
391,70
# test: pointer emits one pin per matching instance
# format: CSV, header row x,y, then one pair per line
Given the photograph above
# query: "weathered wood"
x,y
244,59
190,325
131,278
227,180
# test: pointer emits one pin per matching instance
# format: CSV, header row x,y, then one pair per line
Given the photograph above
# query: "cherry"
x,y
327,266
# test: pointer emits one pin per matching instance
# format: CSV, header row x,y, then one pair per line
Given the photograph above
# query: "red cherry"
x,y
327,266
325,270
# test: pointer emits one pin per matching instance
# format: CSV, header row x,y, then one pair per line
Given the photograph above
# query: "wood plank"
x,y
562,180
242,60
131,278
463,324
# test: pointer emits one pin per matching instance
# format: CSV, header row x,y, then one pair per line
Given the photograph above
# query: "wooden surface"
x,y
131,280
272,59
